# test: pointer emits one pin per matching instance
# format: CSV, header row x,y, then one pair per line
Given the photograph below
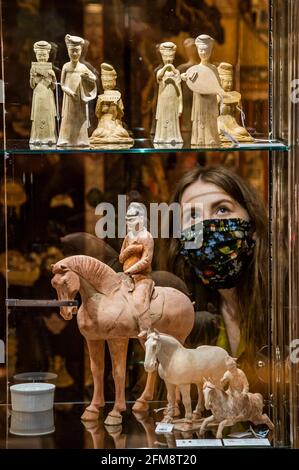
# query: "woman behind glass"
x,y
228,275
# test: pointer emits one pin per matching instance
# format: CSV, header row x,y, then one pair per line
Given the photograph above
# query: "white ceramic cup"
x,y
32,397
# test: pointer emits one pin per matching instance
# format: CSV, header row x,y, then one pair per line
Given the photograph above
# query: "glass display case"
x,y
54,200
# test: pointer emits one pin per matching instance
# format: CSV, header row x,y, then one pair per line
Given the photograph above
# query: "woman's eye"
x,y
222,210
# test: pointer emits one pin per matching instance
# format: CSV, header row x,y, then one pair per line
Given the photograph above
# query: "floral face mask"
x,y
225,251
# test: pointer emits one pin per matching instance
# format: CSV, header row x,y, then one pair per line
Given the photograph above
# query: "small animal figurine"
x,y
180,367
231,407
78,84
43,110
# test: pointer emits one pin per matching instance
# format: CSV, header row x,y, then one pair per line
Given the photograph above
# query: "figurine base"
x,y
202,144
168,142
41,143
112,146
95,141
73,146
182,425
245,139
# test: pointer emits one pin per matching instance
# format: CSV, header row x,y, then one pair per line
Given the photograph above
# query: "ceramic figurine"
x,y
109,111
78,84
107,313
230,108
170,101
204,81
136,256
193,59
231,407
181,367
155,90
234,378
43,110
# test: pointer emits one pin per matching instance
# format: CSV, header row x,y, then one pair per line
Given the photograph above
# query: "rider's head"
x,y
231,363
136,217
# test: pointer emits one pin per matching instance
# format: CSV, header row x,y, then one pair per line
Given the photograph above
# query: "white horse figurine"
x,y
180,367
229,409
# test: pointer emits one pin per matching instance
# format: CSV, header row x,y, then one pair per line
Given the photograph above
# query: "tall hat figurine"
x,y
231,108
78,84
110,111
192,59
43,111
204,81
170,101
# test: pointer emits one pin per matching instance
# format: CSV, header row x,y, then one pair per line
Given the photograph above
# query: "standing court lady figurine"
x,y
170,102
204,81
43,110
193,59
78,84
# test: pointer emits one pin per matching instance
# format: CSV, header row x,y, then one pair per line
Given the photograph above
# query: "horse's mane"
x,y
169,338
208,384
91,269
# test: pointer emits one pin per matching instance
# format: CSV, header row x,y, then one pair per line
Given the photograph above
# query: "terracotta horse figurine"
x,y
107,313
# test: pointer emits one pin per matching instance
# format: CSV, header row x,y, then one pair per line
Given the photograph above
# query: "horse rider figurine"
x,y
234,404
234,379
136,256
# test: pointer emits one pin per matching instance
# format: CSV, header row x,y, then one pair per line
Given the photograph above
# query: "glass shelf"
x,y
143,146
137,430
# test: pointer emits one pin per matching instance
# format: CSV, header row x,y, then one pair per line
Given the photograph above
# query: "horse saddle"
x,y
157,305
157,297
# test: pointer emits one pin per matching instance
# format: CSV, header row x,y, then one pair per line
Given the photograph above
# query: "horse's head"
x,y
208,392
67,284
152,346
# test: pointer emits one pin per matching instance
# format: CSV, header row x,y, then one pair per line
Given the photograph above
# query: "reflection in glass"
x,y
32,424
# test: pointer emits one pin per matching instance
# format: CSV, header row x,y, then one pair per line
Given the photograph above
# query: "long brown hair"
x,y
252,290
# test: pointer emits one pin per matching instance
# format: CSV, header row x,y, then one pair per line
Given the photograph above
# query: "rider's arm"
x,y
145,261
245,383
123,247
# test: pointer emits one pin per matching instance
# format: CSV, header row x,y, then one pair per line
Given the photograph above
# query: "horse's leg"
x,y
178,398
171,402
223,424
199,406
118,350
185,391
264,419
141,404
205,423
96,349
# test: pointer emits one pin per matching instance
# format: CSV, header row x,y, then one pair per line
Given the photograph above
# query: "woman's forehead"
x,y
201,191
